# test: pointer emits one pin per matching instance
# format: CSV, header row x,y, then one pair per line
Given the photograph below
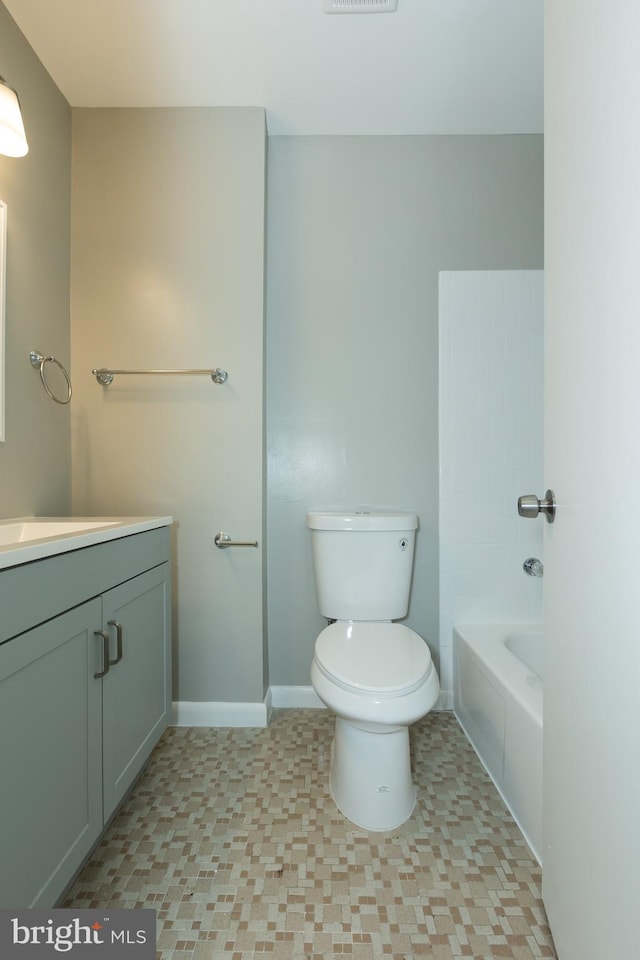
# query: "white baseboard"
x,y
296,697
221,714
445,700
306,697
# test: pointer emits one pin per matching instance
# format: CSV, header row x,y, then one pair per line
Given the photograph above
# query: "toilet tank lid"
x,y
374,521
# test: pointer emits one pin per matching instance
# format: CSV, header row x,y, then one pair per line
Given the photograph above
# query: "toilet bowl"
x,y
375,675
377,678
374,672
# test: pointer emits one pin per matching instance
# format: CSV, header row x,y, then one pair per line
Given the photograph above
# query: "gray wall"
x,y
358,228
35,459
168,272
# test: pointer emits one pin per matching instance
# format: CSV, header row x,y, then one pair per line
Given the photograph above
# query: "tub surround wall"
x,y
358,228
35,458
491,432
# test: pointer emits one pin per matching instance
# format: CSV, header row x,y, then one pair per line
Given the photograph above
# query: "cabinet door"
x,y
136,696
50,756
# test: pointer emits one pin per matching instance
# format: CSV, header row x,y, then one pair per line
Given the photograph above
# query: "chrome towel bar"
x,y
105,376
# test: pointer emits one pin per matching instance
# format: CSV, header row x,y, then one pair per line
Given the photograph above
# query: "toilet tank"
x,y
363,563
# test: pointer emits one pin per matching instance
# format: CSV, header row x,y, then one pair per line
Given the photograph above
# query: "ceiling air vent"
x,y
360,6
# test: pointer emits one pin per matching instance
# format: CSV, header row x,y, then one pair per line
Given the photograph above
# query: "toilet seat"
x,y
379,659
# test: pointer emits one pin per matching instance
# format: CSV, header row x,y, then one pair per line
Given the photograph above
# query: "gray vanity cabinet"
x,y
71,742
135,698
50,757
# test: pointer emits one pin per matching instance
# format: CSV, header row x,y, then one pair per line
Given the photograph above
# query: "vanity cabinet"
x,y
84,697
135,700
50,757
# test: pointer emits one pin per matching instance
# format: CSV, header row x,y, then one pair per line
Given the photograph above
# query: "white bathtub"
x,y
498,685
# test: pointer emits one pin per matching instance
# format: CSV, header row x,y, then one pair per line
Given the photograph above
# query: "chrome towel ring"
x,y
40,361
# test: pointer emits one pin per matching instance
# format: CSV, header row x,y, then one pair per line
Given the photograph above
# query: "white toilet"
x,y
377,676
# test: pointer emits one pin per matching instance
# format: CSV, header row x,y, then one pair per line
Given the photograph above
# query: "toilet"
x,y
375,675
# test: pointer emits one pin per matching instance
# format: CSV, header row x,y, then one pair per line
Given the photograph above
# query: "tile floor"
x,y
232,837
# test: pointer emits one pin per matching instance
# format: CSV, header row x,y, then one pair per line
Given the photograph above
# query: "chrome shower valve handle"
x,y
533,567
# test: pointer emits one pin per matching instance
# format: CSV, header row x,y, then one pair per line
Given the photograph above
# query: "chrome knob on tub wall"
x,y
533,567
529,506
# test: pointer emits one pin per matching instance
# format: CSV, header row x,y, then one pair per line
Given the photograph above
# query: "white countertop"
x,y
102,529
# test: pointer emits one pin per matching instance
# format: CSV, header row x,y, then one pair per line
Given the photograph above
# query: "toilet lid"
x,y
386,659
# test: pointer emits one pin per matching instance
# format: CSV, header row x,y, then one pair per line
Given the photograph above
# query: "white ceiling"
x,y
433,67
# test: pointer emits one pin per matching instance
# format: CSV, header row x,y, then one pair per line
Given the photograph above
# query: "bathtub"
x,y
497,695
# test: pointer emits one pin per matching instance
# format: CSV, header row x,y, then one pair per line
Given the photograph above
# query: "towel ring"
x,y
38,360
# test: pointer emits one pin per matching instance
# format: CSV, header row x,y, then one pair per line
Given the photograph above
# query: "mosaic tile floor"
x,y
232,837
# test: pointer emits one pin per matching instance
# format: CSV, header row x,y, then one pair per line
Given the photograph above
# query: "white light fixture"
x,y
13,141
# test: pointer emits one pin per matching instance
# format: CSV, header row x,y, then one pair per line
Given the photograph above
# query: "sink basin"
x,y
25,539
26,530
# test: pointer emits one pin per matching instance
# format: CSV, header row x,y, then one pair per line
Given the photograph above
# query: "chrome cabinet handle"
x,y
105,654
529,506
223,540
118,626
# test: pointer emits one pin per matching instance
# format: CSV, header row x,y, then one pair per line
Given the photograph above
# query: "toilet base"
x,y
371,774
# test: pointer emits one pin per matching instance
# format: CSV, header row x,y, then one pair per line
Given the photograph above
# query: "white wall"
x,y
358,229
491,448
